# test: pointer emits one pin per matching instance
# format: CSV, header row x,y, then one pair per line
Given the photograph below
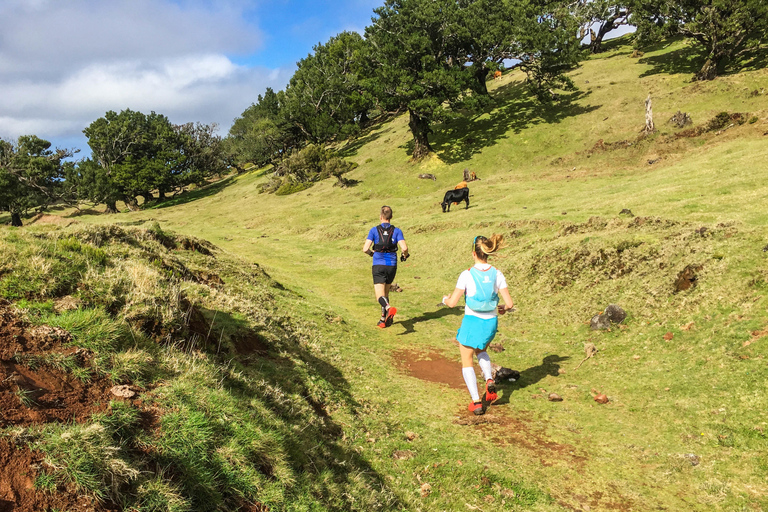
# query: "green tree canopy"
x,y
547,46
327,95
598,17
31,175
417,51
261,135
138,154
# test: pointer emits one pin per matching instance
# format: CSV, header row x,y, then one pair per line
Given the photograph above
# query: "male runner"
x,y
382,243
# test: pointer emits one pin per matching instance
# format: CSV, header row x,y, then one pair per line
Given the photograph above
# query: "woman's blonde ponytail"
x,y
487,246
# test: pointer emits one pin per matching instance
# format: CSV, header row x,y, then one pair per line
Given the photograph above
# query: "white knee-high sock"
x,y
485,365
470,379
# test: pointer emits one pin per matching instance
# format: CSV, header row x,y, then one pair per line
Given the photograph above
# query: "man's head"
x,y
386,214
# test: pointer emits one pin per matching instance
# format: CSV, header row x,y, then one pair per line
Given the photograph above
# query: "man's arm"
x,y
367,247
403,247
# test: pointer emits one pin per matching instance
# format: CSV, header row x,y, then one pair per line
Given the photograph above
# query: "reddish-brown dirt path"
x,y
516,429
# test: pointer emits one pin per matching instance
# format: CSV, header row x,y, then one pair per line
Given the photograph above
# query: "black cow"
x,y
455,196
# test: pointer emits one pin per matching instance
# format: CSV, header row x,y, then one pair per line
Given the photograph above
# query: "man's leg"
x,y
382,290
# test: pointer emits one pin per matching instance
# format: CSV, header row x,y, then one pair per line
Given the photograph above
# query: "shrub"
x,y
303,168
291,188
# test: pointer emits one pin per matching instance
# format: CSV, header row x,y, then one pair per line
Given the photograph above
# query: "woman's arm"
x,y
454,298
504,292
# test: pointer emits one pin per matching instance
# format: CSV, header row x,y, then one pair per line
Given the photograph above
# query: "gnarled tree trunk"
x,y
420,130
481,74
111,206
132,203
709,70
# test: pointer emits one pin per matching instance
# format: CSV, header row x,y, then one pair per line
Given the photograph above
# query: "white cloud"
x,y
64,64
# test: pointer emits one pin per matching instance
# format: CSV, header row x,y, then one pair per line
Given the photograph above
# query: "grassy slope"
x,y
541,185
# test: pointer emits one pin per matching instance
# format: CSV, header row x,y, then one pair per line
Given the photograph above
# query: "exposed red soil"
x,y
39,393
33,391
50,395
521,433
597,500
19,467
431,367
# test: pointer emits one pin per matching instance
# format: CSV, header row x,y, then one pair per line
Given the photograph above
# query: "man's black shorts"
x,y
384,274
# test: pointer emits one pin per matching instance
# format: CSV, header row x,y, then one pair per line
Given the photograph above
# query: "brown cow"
x,y
463,184
496,74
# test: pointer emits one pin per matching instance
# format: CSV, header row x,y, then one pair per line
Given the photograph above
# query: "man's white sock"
x,y
470,379
485,365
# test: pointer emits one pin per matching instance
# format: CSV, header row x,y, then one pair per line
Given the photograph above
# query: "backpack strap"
x,y
385,239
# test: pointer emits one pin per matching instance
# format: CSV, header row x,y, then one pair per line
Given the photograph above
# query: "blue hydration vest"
x,y
484,299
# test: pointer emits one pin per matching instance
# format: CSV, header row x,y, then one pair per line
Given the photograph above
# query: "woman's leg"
x,y
468,371
484,360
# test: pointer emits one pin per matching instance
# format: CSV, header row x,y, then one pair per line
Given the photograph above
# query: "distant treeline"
x,y
429,58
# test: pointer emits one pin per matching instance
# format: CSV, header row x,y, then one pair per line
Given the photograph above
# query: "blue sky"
x,y
291,28
63,64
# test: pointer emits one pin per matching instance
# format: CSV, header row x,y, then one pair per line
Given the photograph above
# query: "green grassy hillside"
x,y
685,428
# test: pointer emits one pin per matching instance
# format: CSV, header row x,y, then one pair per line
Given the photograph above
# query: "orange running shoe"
x,y
477,407
490,391
390,316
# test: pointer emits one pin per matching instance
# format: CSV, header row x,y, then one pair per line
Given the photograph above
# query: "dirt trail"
x,y
503,429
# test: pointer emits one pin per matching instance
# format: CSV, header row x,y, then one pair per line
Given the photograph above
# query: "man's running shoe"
x,y
477,407
390,316
382,324
490,391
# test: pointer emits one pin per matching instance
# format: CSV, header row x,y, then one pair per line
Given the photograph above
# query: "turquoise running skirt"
x,y
477,332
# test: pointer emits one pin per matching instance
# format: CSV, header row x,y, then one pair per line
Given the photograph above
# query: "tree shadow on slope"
x,y
549,367
517,110
686,60
288,392
752,61
351,148
193,195
690,59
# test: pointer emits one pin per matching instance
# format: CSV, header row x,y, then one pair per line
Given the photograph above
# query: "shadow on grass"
x,y
609,45
752,61
194,195
410,324
690,59
517,110
351,148
549,366
686,60
276,364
